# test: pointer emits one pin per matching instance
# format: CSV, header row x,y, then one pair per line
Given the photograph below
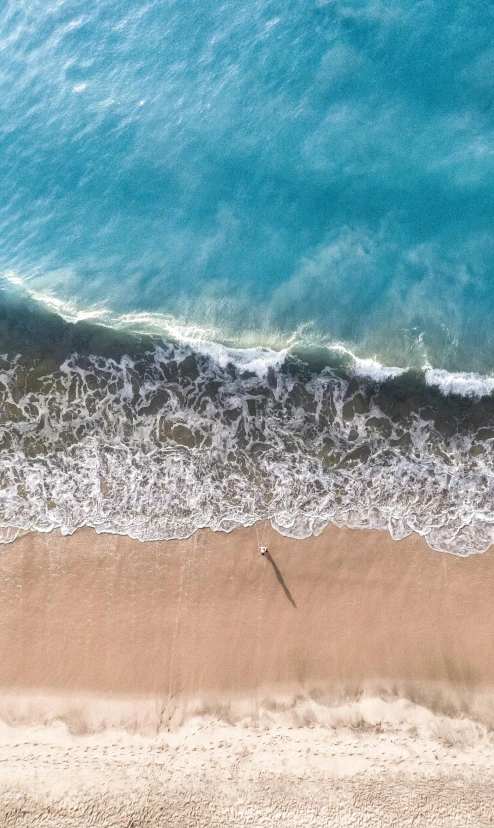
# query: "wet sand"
x,y
210,618
347,668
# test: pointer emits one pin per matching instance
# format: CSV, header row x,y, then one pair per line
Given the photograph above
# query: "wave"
x,y
155,439
464,384
258,358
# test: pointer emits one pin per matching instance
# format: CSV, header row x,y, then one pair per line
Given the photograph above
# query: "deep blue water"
x,y
246,266
268,171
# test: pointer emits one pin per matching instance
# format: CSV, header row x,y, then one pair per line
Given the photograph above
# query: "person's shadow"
x,y
280,578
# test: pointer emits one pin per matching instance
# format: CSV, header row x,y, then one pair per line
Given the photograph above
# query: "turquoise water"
x,y
270,172
246,267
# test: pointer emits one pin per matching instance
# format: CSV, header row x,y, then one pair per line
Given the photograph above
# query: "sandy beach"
x,y
209,617
375,656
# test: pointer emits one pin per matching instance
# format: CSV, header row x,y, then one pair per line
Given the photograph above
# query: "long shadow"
x,y
280,579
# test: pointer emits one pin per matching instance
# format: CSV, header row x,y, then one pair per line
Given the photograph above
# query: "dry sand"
x,y
343,680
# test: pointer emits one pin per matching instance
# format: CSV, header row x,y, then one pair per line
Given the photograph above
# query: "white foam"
x,y
255,360
116,455
372,369
68,311
367,368
463,384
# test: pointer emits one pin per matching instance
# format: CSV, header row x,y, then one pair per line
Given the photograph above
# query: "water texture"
x,y
264,169
276,220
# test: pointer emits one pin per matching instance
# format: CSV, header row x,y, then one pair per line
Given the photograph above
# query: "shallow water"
x,y
281,214
156,439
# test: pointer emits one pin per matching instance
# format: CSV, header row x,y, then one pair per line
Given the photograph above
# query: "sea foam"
x,y
465,384
171,439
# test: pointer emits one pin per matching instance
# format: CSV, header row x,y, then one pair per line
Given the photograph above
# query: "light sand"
x,y
179,646
210,775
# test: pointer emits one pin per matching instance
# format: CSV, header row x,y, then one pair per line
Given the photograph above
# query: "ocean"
x,y
247,267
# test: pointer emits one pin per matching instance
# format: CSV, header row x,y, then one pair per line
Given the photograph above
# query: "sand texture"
x,y
430,773
342,680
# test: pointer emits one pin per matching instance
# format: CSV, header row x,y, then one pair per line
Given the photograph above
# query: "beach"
x,y
373,657
246,304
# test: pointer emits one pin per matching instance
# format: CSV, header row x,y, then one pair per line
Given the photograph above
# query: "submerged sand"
x,y
349,668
